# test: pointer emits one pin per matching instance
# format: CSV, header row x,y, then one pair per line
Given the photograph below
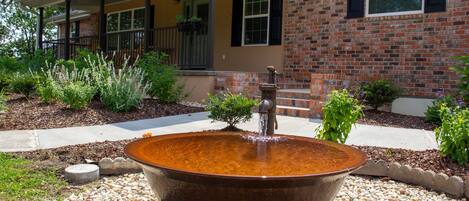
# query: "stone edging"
x,y
118,166
439,182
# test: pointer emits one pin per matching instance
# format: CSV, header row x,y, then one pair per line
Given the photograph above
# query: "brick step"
x,y
292,111
294,93
293,102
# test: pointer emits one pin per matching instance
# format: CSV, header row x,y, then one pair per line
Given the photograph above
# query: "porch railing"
x,y
186,50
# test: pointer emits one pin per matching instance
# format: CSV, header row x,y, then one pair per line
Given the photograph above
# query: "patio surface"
x,y
12,141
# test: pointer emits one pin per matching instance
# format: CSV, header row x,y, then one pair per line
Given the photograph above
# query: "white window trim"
x,y
119,20
255,16
367,11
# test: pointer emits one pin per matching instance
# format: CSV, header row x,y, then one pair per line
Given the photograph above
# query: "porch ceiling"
x,y
87,5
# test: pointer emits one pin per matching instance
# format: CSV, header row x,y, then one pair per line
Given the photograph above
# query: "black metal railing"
x,y
188,50
57,47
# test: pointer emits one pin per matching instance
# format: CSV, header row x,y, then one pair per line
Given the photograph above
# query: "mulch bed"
x,y
25,114
427,160
380,118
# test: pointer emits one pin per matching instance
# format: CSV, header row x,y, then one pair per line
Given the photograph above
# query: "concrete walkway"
x,y
11,141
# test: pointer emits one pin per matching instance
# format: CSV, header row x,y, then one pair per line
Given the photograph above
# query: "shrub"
x,y
230,108
162,77
378,93
433,114
341,112
463,71
49,90
3,102
453,134
78,95
122,91
38,60
23,84
4,81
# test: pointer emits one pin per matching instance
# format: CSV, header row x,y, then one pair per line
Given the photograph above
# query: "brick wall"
x,y
88,26
414,51
239,82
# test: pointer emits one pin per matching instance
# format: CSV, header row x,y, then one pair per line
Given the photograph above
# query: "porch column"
x,y
102,27
40,29
67,30
211,34
147,31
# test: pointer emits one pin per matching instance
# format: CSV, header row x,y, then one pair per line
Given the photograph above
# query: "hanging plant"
x,y
188,24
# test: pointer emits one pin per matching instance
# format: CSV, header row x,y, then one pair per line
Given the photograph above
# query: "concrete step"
x,y
292,111
293,102
287,85
294,93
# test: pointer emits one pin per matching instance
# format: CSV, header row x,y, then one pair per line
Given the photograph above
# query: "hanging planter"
x,y
188,25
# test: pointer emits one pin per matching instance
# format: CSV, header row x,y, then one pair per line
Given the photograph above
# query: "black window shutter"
x,y
77,31
237,23
275,27
435,6
152,17
355,8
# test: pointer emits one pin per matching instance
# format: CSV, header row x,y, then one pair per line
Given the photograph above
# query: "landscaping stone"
x,y
455,186
406,174
440,181
428,179
466,188
372,168
82,173
416,176
395,171
118,166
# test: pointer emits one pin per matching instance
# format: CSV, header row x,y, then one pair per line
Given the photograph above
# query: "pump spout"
x,y
265,106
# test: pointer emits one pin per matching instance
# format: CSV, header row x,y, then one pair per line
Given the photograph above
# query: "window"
x,y
256,22
375,8
126,20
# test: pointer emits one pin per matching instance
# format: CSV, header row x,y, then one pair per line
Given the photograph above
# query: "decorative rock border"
x,y
118,166
439,182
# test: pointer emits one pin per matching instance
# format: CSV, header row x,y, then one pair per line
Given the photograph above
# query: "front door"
x,y
195,44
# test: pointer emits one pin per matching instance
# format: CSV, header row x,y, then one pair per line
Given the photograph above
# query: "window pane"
x,y
126,20
124,40
112,41
139,18
255,31
256,7
388,6
112,22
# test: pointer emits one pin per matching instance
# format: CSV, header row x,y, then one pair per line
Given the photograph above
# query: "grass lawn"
x,y
20,180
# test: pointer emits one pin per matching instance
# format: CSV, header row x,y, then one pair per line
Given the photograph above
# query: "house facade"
x,y
317,45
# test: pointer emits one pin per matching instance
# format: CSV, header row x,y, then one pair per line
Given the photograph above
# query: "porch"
x,y
189,50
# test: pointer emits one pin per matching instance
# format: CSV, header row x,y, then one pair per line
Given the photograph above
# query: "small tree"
x,y
230,108
341,112
379,93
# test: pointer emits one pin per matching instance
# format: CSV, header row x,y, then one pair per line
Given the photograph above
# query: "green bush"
x,y
3,102
341,112
463,71
379,93
433,114
49,90
162,77
230,108
38,60
4,81
24,84
77,95
123,91
453,134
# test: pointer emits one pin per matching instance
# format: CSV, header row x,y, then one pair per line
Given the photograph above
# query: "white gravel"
x,y
134,187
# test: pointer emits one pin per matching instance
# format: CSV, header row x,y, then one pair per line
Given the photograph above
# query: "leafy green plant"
x,y
230,108
49,90
24,84
3,102
77,95
463,71
162,77
379,93
38,60
453,134
341,112
124,90
433,113
5,79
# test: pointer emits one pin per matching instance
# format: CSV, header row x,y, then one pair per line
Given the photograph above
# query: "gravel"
x,y
135,187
